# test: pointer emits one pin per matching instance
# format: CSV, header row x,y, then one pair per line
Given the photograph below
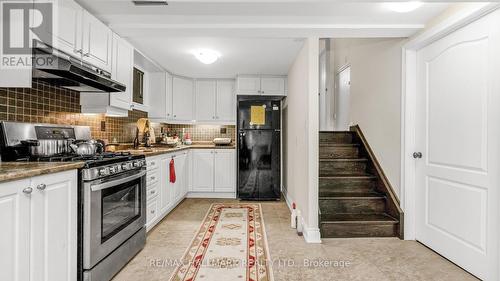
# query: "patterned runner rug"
x,y
231,245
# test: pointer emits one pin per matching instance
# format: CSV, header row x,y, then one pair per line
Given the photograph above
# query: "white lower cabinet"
x,y
213,172
162,195
39,221
203,170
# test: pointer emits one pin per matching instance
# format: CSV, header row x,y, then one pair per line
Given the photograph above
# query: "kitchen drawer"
x,y
152,190
152,163
152,176
152,211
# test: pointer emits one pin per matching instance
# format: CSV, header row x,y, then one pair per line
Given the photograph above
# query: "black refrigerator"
x,y
259,150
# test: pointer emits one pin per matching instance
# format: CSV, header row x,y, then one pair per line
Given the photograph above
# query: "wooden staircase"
x,y
355,198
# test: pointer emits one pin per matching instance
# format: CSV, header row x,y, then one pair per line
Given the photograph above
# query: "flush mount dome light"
x,y
403,7
206,56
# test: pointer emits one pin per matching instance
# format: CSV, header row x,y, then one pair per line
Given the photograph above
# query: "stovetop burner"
x,y
90,160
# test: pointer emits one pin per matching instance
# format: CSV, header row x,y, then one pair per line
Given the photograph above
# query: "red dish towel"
x,y
172,171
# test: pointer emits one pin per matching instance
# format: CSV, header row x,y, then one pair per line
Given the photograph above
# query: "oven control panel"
x,y
112,169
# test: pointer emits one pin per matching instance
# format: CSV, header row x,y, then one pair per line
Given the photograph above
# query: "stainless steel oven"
x,y
114,211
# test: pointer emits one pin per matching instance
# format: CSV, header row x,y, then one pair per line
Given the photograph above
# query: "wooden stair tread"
x,y
335,144
353,196
349,176
358,218
343,160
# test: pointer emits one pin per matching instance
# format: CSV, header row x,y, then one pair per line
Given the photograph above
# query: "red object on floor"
x,y
172,171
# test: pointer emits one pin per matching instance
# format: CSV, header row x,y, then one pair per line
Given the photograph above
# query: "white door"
x,y
97,42
248,85
15,225
272,86
458,102
182,98
203,170
165,184
53,232
342,101
322,92
205,100
225,170
122,71
226,101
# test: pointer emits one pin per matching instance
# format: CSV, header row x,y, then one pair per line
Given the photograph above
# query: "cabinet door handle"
x,y
152,212
153,192
153,178
41,186
152,163
28,190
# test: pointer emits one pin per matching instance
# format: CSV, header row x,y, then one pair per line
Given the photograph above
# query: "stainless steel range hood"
x,y
58,68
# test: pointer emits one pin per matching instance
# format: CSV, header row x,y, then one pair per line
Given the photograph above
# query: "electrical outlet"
x,y
223,131
103,126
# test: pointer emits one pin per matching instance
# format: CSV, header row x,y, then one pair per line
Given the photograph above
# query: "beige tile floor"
x,y
368,259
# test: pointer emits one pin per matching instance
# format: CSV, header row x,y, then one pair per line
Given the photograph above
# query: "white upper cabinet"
x,y
97,42
225,170
206,100
226,101
66,33
261,85
160,103
182,98
121,71
272,86
248,85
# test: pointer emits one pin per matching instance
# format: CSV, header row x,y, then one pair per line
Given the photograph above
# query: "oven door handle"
x,y
96,187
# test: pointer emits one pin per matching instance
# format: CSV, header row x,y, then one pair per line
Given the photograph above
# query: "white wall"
x,y
376,96
301,137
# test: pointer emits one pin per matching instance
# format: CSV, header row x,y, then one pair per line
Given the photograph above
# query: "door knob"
x,y
417,155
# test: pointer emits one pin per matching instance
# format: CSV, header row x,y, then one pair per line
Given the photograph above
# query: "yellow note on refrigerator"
x,y
257,115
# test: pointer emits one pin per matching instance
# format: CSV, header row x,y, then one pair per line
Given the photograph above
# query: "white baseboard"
x,y
222,195
311,234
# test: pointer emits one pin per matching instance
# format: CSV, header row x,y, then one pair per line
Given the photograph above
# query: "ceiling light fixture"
x,y
150,2
403,7
206,56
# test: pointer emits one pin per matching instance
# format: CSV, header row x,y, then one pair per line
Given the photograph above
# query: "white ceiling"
x,y
253,36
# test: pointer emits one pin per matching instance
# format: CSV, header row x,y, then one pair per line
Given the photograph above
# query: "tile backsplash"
x,y
199,132
44,103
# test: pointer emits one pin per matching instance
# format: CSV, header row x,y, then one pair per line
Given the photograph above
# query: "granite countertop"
x,y
18,170
159,149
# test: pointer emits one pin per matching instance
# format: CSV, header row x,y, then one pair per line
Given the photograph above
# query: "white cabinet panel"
x,y
15,224
54,227
272,86
225,170
165,185
203,170
206,100
181,176
248,85
97,42
182,99
67,26
152,212
122,71
226,101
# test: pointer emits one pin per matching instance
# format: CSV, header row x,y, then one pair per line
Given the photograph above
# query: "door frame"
x,y
336,92
408,101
